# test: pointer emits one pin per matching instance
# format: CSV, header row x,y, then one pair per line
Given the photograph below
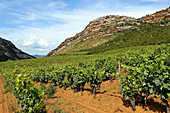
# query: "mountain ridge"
x,y
157,17
8,51
104,27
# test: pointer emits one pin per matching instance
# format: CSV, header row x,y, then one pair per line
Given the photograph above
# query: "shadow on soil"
x,y
89,90
115,95
151,105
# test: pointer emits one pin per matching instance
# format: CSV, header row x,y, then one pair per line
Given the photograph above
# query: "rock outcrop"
x,y
157,17
107,26
103,26
8,51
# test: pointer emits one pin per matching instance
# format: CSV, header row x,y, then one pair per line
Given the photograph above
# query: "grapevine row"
x,y
146,73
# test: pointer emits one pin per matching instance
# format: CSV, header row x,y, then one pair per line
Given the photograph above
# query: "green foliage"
x,y
65,84
51,90
152,34
146,73
43,87
79,78
30,98
94,78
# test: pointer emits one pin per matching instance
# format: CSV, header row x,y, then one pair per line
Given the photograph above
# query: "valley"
x,y
116,64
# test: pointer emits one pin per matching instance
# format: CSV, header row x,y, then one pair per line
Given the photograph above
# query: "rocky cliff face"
x,y
101,27
9,51
157,17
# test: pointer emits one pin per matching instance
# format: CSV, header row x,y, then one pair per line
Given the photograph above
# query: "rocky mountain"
x,y
9,51
157,17
103,29
100,29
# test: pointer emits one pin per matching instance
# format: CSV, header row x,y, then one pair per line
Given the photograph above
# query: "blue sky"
x,y
38,26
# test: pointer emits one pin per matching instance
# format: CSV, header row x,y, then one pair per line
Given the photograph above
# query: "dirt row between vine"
x,y
4,107
3,99
8,102
108,100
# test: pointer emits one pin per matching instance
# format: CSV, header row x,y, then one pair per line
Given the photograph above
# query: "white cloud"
x,y
42,27
43,43
38,11
33,42
57,5
27,16
30,42
44,39
30,28
7,32
33,37
40,49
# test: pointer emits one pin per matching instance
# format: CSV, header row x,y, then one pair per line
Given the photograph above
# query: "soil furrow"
x,y
87,106
3,99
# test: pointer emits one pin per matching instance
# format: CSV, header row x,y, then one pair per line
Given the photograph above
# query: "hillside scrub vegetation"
x,y
146,34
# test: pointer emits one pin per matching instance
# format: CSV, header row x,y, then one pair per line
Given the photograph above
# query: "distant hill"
x,y
8,51
113,31
38,56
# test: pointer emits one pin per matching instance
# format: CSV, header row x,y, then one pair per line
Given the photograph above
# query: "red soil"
x,y
7,100
108,100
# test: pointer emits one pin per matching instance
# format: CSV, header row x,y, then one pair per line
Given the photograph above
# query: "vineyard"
x,y
140,76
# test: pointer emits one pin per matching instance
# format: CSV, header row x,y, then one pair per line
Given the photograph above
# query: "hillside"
x,y
157,17
9,51
112,28
152,34
96,32
44,72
